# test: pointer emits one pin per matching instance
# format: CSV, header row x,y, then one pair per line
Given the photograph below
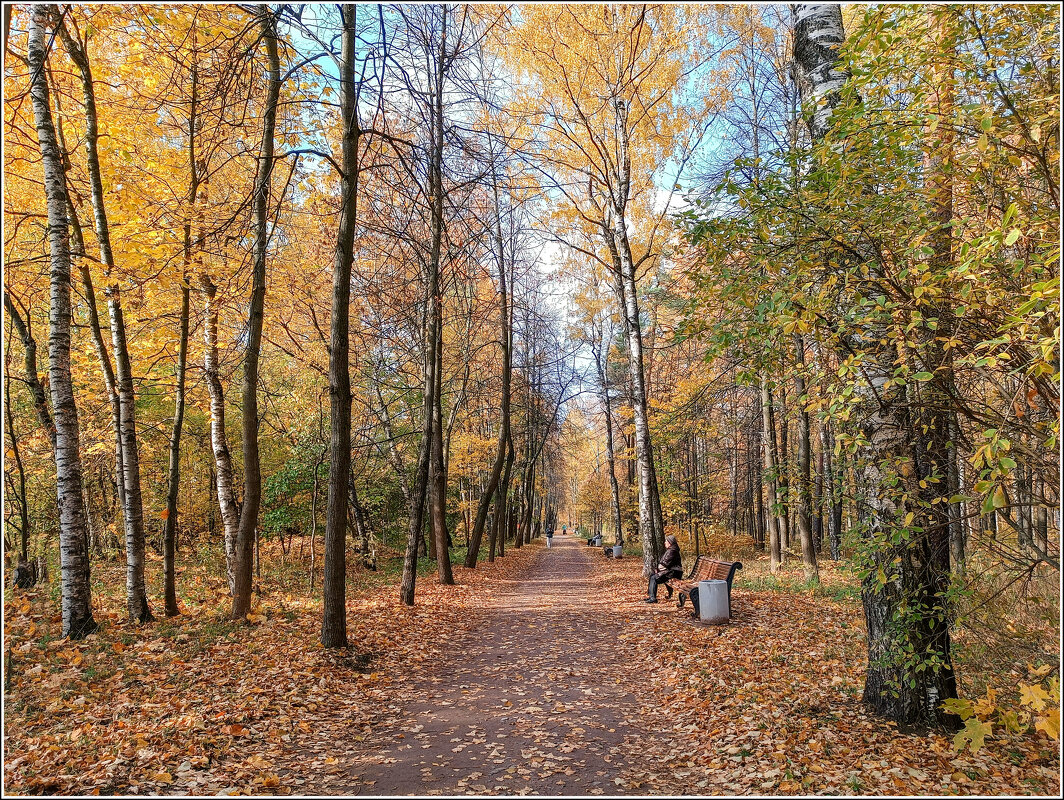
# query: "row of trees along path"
x,y
924,347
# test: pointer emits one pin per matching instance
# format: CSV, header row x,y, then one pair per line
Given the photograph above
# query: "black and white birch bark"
x,y
77,619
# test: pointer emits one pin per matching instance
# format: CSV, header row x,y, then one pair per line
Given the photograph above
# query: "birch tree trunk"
x,y
223,460
136,594
77,247
818,35
910,669
133,507
615,491
650,523
77,619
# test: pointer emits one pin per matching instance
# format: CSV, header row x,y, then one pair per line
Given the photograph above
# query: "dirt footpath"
x,y
530,700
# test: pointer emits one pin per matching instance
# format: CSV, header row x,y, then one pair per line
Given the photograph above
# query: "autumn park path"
x,y
526,701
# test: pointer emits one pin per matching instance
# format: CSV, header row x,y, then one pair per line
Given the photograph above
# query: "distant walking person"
x,y
669,566
550,537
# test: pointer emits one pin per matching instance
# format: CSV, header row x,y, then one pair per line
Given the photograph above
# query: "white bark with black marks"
x,y
820,73
77,619
129,476
910,670
223,459
133,512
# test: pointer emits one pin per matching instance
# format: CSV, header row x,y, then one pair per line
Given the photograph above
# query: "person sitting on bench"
x,y
668,567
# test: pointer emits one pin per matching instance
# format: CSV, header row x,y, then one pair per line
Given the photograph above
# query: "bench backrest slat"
x,y
711,569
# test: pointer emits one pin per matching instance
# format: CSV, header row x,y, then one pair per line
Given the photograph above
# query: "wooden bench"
x,y
706,569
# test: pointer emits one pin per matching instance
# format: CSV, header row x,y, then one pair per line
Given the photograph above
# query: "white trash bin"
x,y
713,602
617,551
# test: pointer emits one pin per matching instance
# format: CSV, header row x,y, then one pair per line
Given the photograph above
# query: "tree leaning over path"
x,y
78,620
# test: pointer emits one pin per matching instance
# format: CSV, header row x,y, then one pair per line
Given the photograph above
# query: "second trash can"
x,y
713,602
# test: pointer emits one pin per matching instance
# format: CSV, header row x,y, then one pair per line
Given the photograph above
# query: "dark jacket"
x,y
669,565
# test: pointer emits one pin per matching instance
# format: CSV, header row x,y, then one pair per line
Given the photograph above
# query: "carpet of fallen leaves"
x,y
769,705
202,705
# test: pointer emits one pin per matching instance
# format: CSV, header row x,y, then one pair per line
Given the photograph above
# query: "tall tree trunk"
x,y
174,472
910,669
625,287
805,510
77,619
615,491
438,469
772,522
433,296
136,593
334,617
223,459
133,507
615,232
506,341
77,248
249,402
193,242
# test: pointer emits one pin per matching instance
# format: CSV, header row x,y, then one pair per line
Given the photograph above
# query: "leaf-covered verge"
x,y
772,702
202,705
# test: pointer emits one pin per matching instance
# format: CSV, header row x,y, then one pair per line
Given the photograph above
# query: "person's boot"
x,y
669,590
651,600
